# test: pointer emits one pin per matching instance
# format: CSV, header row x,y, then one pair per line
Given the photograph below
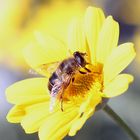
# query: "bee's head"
x,y
79,57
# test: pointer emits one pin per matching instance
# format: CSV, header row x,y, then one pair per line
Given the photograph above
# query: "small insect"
x,y
63,75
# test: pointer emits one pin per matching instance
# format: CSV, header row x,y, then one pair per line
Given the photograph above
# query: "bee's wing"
x,y
32,72
45,69
58,90
56,93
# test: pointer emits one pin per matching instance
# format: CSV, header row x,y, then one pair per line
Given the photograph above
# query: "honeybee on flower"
x,y
98,38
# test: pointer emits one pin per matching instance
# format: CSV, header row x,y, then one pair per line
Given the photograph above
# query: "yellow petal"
x,y
76,38
16,114
108,39
118,61
54,123
61,133
29,90
35,116
91,102
118,85
80,122
94,18
43,50
86,109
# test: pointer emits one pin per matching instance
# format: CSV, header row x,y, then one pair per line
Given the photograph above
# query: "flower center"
x,y
81,84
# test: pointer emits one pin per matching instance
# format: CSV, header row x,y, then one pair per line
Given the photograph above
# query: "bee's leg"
x,y
72,79
87,70
82,72
62,105
61,101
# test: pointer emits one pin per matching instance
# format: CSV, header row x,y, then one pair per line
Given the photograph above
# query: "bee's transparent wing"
x,y
45,69
55,92
32,72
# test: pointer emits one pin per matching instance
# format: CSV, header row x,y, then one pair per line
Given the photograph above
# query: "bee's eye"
x,y
79,58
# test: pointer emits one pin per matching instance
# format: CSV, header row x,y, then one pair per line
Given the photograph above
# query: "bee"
x,y
63,75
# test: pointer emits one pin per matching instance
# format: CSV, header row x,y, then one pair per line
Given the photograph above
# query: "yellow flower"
x,y
96,36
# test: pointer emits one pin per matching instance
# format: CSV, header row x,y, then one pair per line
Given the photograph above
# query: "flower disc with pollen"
x,y
80,87
98,38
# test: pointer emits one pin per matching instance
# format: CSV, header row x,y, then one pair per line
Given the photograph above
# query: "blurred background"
x,y
19,19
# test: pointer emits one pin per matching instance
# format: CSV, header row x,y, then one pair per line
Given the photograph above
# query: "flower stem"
x,y
120,122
